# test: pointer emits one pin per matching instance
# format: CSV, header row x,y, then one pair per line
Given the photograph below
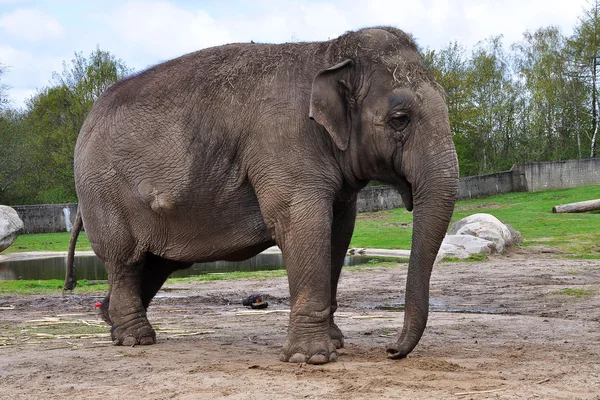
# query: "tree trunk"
x,y
594,107
581,206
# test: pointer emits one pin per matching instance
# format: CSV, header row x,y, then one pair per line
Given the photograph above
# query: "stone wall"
x,y
47,218
560,174
522,177
375,198
529,177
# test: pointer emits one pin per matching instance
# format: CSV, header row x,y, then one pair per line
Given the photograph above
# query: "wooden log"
x,y
581,206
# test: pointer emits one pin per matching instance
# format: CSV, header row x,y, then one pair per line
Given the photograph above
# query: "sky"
x,y
37,36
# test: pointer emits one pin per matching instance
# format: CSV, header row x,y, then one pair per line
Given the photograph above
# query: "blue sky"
x,y
37,36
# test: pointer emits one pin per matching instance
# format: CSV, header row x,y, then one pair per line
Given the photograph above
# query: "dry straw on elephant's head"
x,y
387,46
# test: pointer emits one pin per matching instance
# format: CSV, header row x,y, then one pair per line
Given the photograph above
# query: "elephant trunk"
x,y
434,196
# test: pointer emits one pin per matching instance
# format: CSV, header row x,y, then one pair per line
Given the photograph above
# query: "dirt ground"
x,y
499,329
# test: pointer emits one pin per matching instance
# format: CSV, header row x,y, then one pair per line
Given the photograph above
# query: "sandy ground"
x,y
499,329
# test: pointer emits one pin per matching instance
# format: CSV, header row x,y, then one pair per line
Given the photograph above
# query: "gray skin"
x,y
224,152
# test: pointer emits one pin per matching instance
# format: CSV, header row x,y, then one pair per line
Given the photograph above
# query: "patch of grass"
x,y
576,235
277,273
49,286
54,286
390,229
48,242
574,292
383,262
471,258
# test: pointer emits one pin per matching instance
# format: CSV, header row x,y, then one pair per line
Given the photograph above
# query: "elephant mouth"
x,y
405,189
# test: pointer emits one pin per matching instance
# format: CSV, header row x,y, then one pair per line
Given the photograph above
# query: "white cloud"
x,y
143,33
163,30
25,73
32,25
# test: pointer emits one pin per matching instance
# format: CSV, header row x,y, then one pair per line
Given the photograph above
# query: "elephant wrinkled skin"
x,y
221,153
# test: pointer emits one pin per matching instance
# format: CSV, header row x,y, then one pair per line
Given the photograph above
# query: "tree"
x,y
585,51
3,90
494,97
55,115
553,96
14,157
451,68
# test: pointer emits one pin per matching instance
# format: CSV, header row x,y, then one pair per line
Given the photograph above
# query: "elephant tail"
x,y
70,275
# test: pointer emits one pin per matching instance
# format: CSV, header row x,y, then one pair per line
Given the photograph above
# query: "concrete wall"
x,y
375,198
529,177
560,174
47,218
522,177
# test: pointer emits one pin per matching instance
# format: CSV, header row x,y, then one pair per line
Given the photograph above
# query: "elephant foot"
x,y
314,352
135,332
336,335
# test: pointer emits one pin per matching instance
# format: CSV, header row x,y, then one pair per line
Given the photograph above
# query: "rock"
x,y
517,238
10,227
472,244
477,234
448,250
463,246
484,226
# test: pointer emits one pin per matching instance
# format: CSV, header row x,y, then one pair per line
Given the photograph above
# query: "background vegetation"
x,y
534,100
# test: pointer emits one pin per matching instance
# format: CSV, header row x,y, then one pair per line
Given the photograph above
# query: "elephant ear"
x,y
329,102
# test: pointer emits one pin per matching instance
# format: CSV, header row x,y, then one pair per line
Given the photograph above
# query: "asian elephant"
x,y
221,153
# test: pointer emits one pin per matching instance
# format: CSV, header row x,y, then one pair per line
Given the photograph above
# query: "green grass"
x,y
576,235
47,242
574,292
54,286
49,286
472,258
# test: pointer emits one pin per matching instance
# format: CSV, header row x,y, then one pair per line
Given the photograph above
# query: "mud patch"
x,y
525,343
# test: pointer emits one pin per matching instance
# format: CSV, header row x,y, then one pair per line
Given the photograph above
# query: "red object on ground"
x,y
98,304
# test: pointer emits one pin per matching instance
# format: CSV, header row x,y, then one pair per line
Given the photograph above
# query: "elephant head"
x,y
389,122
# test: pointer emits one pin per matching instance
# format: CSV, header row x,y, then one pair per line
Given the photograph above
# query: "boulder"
x,y
516,236
477,234
10,226
484,226
471,244
463,246
451,251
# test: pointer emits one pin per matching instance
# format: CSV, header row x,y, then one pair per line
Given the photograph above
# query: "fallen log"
x,y
582,206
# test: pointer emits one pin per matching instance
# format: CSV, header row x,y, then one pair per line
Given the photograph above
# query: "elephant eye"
x,y
399,121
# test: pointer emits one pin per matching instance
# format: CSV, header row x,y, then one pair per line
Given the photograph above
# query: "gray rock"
x,y
463,246
10,227
472,244
517,238
484,226
476,234
448,250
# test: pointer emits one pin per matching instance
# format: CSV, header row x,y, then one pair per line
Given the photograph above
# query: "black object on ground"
x,y
255,302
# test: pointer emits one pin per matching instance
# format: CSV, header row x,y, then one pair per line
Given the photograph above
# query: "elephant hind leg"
x,y
155,272
125,309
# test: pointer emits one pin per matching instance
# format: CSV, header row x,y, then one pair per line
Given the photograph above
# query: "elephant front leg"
x,y
344,216
305,242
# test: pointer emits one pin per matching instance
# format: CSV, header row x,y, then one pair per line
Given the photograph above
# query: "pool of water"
x,y
91,268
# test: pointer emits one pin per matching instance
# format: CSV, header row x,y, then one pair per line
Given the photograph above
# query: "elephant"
x,y
224,152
